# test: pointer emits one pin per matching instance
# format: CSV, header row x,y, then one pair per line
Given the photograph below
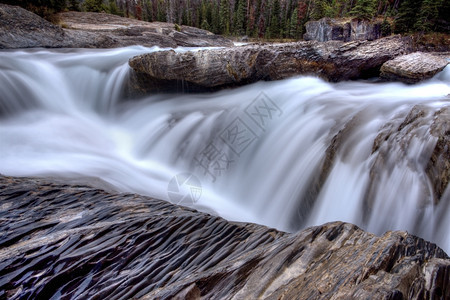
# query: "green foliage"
x,y
427,16
93,5
274,28
364,9
319,9
407,15
241,12
261,18
112,8
205,25
386,29
224,17
74,5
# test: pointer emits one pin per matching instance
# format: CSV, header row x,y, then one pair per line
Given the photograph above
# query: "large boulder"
x,y
327,29
74,241
217,68
20,28
414,67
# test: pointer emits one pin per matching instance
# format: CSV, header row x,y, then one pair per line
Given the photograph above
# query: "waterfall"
x,y
286,154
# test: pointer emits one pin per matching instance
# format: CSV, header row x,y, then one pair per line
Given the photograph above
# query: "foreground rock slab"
x,y
413,67
213,69
20,28
76,241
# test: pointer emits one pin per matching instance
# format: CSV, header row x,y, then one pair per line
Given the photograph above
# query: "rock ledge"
x,y
413,67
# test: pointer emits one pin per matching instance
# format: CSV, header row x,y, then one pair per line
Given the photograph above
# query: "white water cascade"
x,y
257,151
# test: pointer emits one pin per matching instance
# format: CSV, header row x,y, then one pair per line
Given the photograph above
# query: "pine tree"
x,y
364,9
319,8
407,15
224,17
161,11
240,17
293,30
205,25
74,5
427,16
274,28
93,5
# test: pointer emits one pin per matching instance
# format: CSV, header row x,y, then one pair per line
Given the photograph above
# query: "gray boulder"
x,y
414,67
20,28
327,29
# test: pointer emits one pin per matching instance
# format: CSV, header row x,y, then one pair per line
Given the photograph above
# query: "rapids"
x,y
253,154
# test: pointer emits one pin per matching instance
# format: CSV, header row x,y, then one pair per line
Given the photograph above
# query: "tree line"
x,y
265,18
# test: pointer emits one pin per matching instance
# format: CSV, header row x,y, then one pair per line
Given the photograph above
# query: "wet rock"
x,y
401,134
80,242
414,67
213,69
20,28
327,29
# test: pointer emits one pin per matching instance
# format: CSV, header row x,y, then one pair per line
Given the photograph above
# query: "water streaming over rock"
x,y
286,154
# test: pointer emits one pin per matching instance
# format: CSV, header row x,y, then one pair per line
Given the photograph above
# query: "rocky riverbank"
x,y
20,28
214,69
85,242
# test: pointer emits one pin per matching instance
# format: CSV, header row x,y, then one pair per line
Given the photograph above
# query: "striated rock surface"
x,y
20,28
113,31
75,241
216,68
414,67
327,29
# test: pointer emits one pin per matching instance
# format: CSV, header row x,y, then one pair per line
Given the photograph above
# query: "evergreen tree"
x,y
319,9
161,11
240,17
293,30
386,28
215,18
364,9
93,5
407,15
74,5
205,25
427,16
224,17
274,28
113,9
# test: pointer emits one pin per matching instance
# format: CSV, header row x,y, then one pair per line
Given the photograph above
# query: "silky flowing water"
x,y
256,153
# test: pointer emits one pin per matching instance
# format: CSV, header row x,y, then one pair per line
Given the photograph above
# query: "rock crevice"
x,y
85,242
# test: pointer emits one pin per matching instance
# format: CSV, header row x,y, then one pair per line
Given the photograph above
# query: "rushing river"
x,y
254,153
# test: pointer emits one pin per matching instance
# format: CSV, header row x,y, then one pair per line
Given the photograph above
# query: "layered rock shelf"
x,y
20,28
413,67
217,68
77,241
